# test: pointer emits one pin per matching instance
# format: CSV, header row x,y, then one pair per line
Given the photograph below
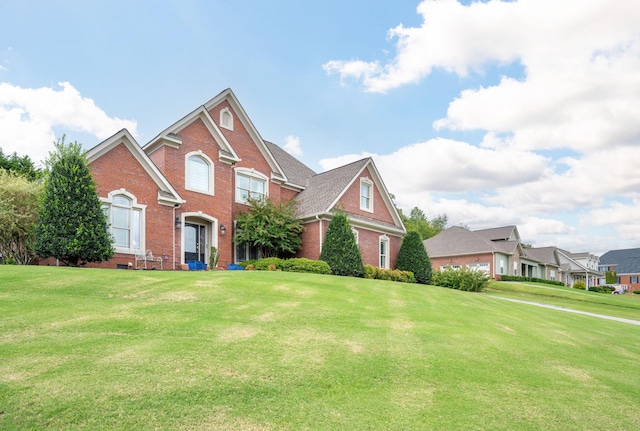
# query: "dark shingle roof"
x,y
627,261
497,233
458,241
323,189
546,255
297,172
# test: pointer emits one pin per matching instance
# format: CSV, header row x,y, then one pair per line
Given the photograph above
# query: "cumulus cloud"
x,y
570,86
580,86
29,115
292,145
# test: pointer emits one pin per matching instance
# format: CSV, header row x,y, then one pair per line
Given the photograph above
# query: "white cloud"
x,y
448,166
575,92
292,145
581,82
29,115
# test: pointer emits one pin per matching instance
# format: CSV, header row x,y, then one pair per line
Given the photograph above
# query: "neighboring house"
x,y
495,251
548,262
626,264
180,194
499,251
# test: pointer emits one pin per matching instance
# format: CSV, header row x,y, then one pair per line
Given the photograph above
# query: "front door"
x,y
195,242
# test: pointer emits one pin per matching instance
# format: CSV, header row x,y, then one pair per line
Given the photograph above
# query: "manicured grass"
x,y
84,349
627,305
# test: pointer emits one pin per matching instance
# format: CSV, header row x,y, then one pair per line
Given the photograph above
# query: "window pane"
x,y
242,182
121,237
198,174
135,243
241,253
257,186
241,195
122,201
121,217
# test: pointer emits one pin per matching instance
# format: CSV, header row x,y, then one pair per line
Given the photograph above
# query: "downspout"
x,y
319,236
173,223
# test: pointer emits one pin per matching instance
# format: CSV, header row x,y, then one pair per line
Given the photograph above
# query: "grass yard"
x,y
84,349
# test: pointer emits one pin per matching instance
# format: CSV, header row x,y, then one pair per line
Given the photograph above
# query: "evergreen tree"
x,y
71,226
340,250
413,257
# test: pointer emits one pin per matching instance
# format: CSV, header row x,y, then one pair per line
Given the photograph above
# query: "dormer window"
x,y
226,119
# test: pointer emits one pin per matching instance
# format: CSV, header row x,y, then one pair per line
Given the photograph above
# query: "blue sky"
x,y
494,113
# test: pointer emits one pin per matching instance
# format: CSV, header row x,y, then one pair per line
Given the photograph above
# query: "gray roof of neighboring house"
x,y
497,233
296,172
546,255
458,241
324,188
627,261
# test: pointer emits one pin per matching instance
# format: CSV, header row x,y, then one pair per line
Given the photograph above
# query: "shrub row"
x,y
530,279
388,274
461,279
298,264
601,289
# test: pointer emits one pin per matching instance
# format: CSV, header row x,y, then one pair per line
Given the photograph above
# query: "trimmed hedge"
x,y
372,272
298,264
339,248
269,264
461,279
530,279
301,264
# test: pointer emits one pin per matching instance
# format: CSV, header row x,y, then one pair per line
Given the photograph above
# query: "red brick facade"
x,y
154,179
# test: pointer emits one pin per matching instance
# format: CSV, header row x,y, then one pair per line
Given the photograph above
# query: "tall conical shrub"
x,y
340,250
413,257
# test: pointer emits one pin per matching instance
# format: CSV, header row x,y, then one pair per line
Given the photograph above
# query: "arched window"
x,y
125,221
199,173
226,119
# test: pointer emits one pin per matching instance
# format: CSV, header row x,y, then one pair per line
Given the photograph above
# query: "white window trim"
x,y
385,239
134,205
251,173
206,158
356,234
369,183
222,122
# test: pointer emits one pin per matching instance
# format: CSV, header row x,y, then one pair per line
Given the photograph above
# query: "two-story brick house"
x,y
180,194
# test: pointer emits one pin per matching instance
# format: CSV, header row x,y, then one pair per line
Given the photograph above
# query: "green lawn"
x,y
84,349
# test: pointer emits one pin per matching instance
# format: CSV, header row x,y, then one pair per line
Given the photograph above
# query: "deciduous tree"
x,y
271,226
18,215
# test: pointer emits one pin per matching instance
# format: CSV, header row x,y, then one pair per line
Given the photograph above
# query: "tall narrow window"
x,y
226,119
384,252
366,195
250,184
125,222
198,173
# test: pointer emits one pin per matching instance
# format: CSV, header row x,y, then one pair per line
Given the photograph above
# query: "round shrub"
x,y
269,264
579,285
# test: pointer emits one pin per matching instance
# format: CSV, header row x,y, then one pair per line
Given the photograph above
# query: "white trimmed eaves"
x,y
377,180
228,95
227,153
327,216
167,195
